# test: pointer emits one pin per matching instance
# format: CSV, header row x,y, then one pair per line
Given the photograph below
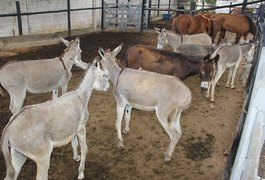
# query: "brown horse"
x,y
242,25
186,24
164,62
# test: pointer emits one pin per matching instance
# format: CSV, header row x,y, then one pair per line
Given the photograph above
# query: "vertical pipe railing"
x,y
19,18
69,18
102,15
142,16
158,6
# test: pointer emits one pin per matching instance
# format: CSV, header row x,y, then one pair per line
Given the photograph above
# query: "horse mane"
x,y
252,26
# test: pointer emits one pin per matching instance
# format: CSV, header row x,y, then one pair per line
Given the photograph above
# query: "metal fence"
x,y
243,161
145,17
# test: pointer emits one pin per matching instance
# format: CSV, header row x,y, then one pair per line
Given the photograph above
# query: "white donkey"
x,y
35,130
166,95
40,76
229,56
176,40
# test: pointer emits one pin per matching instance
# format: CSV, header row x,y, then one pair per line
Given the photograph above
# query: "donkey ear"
x,y
66,43
206,58
157,30
77,40
216,58
116,50
101,52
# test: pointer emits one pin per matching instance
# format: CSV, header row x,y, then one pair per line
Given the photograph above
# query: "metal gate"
x,y
122,16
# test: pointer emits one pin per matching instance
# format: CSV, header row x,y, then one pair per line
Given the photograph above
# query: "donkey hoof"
x,y
232,87
120,145
212,100
167,158
81,176
125,131
227,85
77,158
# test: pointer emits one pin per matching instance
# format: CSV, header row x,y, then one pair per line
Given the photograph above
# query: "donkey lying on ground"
x,y
35,130
40,76
160,61
175,40
148,91
228,56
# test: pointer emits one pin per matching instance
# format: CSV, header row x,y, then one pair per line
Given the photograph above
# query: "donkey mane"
x,y
175,54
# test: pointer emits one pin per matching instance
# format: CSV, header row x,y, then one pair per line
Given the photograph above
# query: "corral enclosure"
x,y
208,129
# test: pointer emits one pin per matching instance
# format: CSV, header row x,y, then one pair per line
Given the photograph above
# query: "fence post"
x,y
19,18
102,14
142,16
69,18
158,6
192,7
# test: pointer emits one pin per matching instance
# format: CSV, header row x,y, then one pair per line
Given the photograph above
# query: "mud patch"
x,y
198,148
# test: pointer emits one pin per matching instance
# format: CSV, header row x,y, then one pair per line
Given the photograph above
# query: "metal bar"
x,y
142,16
69,18
158,6
102,15
19,18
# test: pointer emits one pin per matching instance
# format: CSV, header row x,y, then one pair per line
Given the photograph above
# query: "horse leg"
x,y
120,113
172,129
74,144
221,35
83,146
238,36
18,160
127,118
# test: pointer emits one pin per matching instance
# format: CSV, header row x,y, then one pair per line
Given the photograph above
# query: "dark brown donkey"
x,y
160,61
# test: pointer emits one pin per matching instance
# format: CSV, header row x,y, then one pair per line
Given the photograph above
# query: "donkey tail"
x,y
252,26
10,171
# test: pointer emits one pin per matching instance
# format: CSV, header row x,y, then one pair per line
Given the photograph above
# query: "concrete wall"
x,y
55,22
48,23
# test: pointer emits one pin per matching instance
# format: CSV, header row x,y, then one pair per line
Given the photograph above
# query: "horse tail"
x,y
211,29
175,25
5,150
252,26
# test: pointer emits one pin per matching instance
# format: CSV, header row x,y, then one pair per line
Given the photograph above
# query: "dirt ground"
x,y
208,129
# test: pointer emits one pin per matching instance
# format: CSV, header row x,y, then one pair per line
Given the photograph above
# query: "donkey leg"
x,y
120,113
17,100
238,36
83,146
43,164
208,89
229,76
74,144
234,74
55,93
174,132
64,88
172,128
127,118
215,80
18,160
